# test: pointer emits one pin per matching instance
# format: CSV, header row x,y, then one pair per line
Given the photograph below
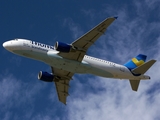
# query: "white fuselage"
x,y
90,65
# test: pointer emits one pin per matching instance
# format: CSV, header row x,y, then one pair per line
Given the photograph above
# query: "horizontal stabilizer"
x,y
134,84
144,67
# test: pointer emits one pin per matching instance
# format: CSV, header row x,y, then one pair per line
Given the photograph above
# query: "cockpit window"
x,y
16,39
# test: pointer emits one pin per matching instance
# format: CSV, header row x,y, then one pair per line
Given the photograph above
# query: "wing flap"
x,y
77,55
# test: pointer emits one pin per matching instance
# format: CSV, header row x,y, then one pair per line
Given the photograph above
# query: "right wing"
x,y
82,44
62,83
85,41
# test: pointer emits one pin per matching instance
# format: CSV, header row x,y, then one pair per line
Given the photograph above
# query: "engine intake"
x,y
62,47
45,76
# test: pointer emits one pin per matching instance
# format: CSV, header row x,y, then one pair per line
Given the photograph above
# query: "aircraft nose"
x,y
7,45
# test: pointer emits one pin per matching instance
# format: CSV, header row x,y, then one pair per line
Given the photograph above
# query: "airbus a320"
x,y
67,59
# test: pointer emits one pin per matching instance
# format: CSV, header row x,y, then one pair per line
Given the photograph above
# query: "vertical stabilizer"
x,y
135,62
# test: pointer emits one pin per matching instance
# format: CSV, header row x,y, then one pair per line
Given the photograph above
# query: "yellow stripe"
x,y
138,63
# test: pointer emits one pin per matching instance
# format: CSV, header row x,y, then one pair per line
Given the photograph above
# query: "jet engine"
x,y
45,76
62,47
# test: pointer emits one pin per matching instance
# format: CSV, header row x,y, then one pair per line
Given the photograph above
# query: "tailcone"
x,y
146,77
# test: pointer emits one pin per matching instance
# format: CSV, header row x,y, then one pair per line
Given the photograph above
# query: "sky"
x,y
23,96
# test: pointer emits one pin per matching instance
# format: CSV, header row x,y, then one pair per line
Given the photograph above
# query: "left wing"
x,y
82,44
62,83
80,47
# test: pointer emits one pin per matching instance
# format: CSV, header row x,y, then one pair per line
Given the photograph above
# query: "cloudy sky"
x,y
135,31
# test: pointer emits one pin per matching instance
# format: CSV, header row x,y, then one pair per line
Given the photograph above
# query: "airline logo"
x,y
41,46
137,62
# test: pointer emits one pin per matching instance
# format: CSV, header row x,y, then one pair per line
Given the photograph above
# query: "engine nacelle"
x,y
45,76
62,47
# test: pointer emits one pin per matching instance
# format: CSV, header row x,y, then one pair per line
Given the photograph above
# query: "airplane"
x,y
67,59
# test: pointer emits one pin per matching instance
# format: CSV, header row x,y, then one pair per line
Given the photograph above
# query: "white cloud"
x,y
114,99
73,27
16,95
43,117
152,3
7,88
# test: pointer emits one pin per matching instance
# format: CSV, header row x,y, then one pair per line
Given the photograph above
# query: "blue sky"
x,y
135,31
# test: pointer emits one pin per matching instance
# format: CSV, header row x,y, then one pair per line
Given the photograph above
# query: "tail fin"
x,y
140,70
135,62
138,66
